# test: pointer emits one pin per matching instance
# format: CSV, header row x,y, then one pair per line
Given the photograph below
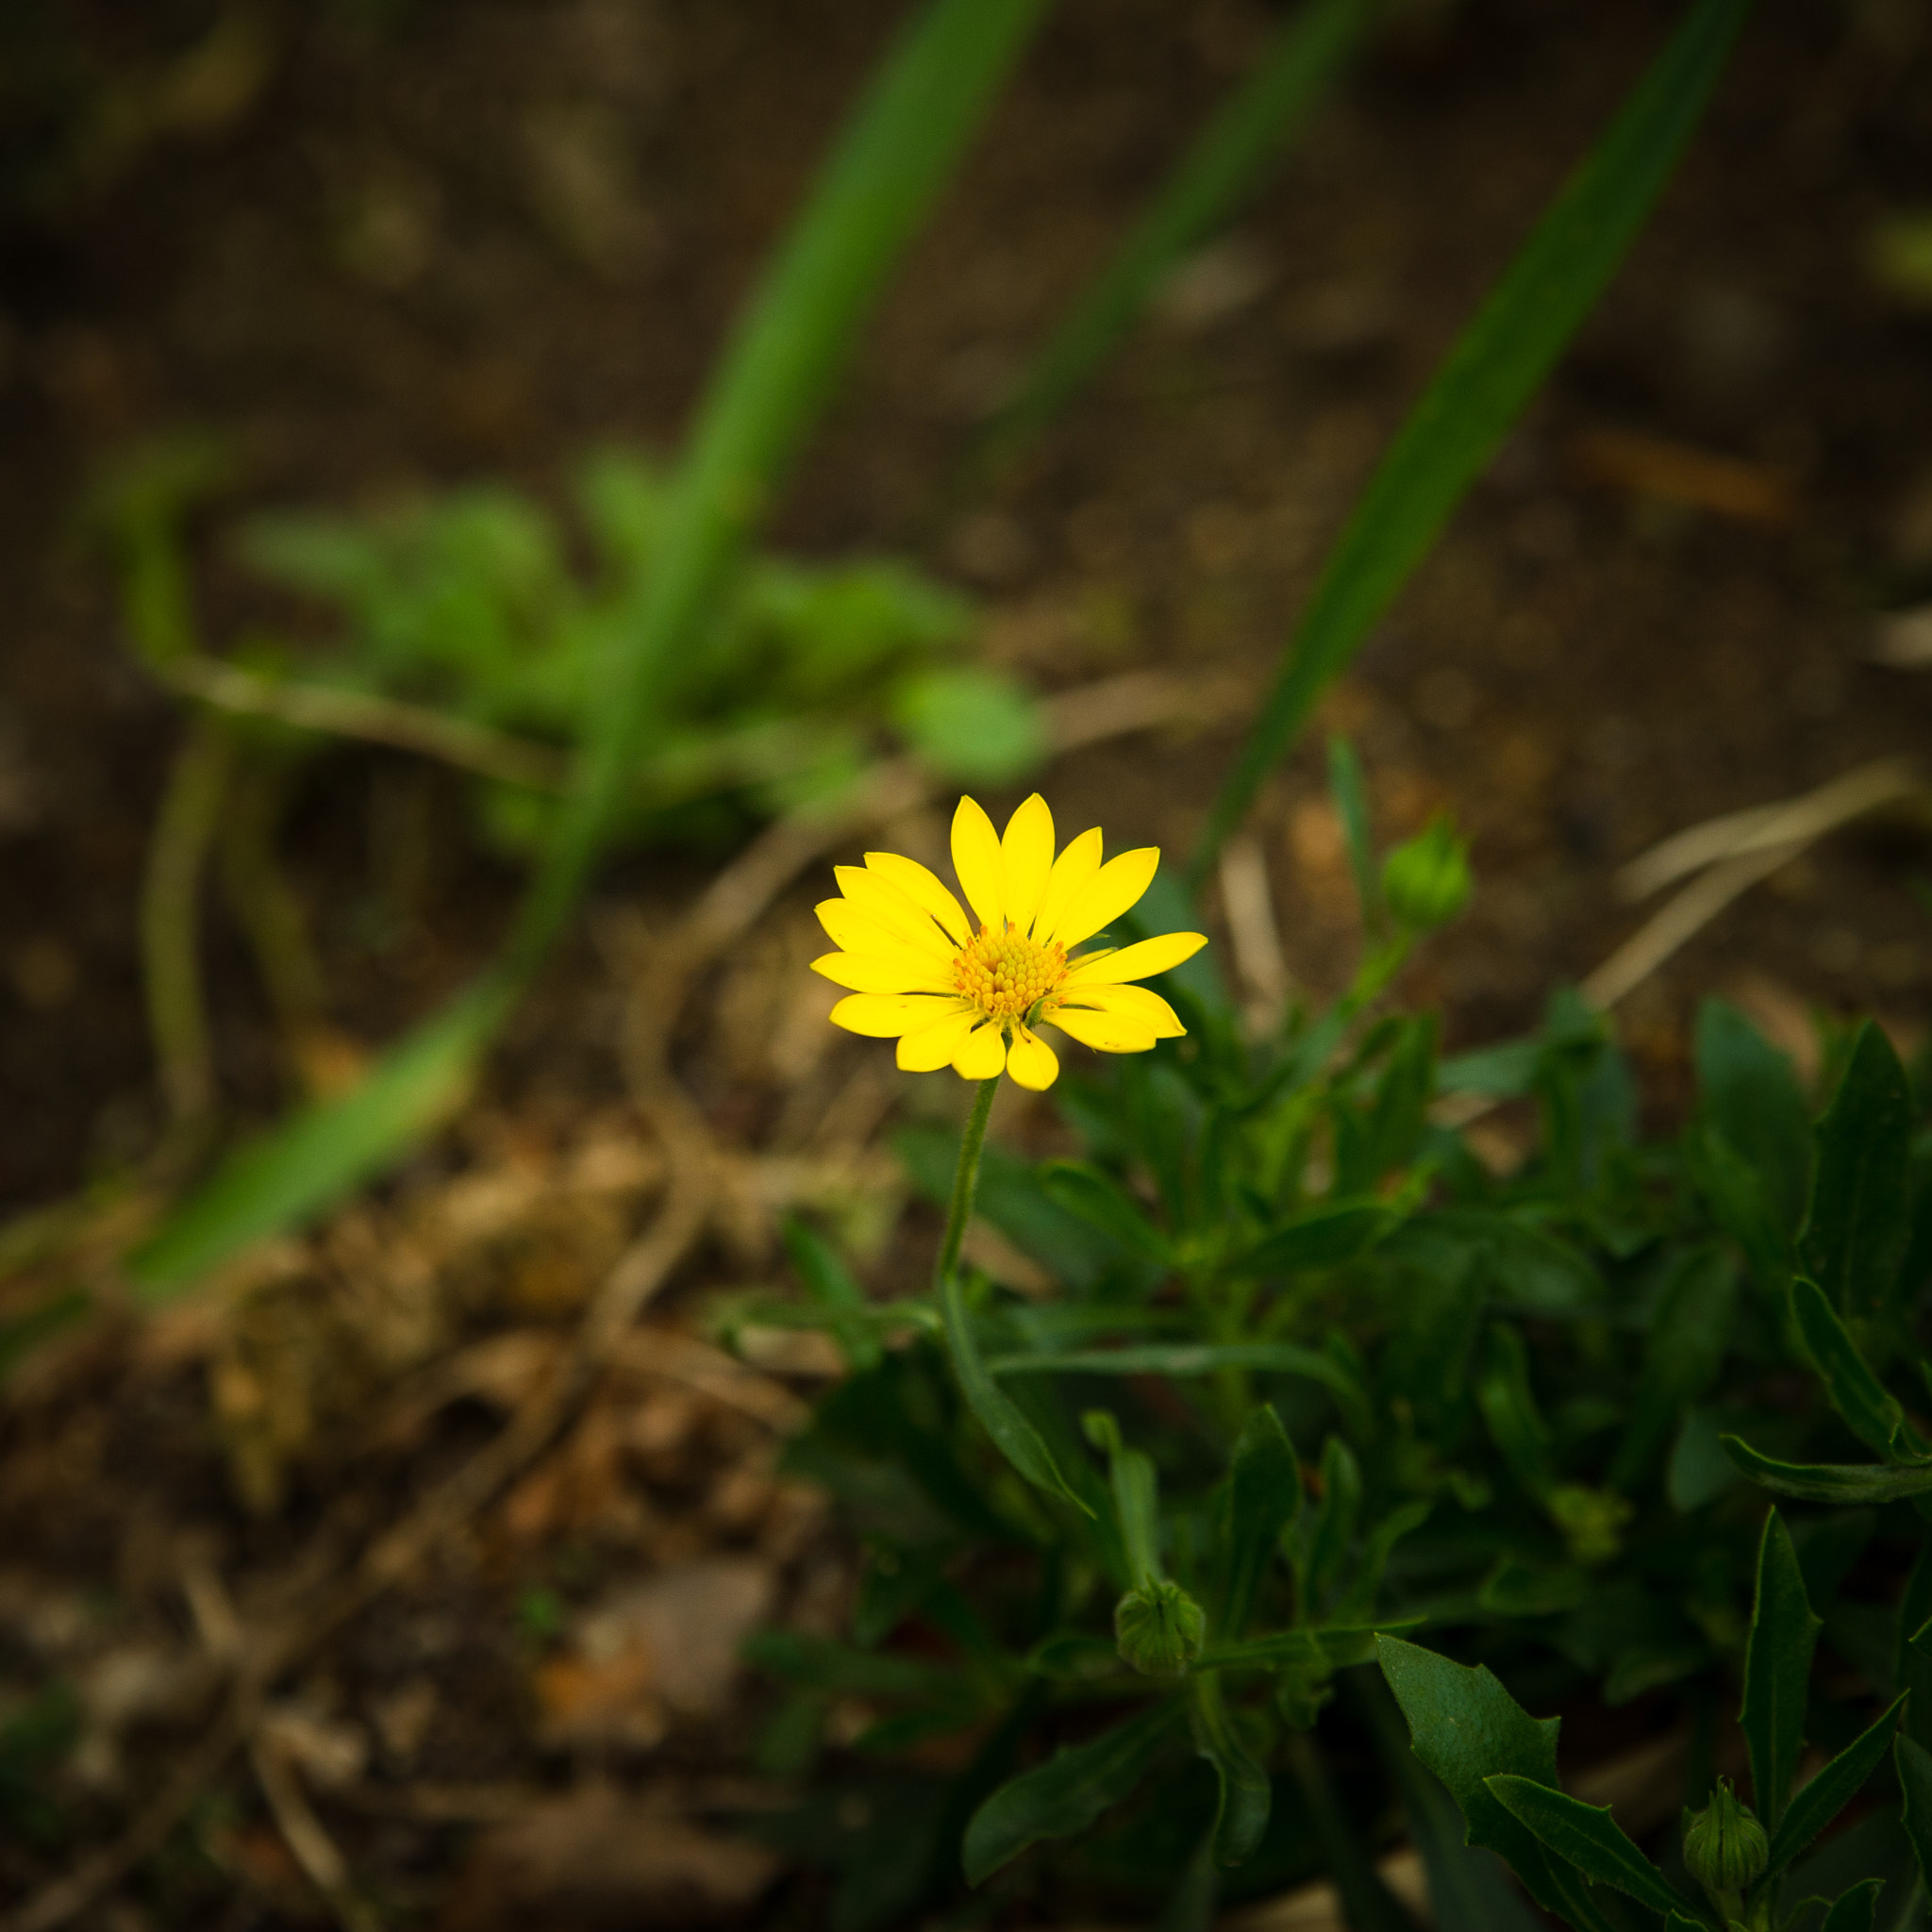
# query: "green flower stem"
x,y
965,1182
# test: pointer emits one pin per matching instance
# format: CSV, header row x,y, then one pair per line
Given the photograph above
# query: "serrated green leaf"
x,y
1067,1792
1466,1728
1856,1483
1778,1671
1855,1910
1856,1394
1814,1804
1861,1220
1751,1094
1260,1498
1914,1764
1494,368
1100,1201
1245,1794
1588,1837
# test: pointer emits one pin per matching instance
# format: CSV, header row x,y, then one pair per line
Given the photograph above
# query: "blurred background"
x,y
343,346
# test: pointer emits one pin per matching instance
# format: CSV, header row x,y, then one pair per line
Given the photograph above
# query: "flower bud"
x,y
1724,1845
1158,1629
1426,881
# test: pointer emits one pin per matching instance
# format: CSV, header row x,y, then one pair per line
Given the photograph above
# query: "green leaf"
x,y
1352,807
1860,1219
1856,1394
1492,370
1325,1237
1185,1359
1100,1201
1246,1795
1855,1910
1815,1804
1509,1410
1018,1439
1466,1728
1260,1498
1914,1764
1856,1483
1589,1837
1327,1534
1068,1793
971,725
829,1286
321,1153
1317,1647
1223,167
1689,1333
1753,1098
1778,1671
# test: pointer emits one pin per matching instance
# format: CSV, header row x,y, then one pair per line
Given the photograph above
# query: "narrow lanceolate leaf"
x,y
1100,1201
1197,198
1351,808
1815,1804
1589,1837
1323,1238
1466,1728
1778,1671
1019,1441
1861,1220
1245,1794
327,1149
1261,1496
1068,1793
1914,1764
1856,1394
1751,1095
1856,1485
1492,370
895,156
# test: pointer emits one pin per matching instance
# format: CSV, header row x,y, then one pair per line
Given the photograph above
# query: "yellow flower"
x,y
968,996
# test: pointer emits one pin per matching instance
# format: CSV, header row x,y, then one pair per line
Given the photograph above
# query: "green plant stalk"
x,y
170,898
1494,368
1201,194
889,165
965,1183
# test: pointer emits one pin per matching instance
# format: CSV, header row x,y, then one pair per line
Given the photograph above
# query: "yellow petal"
x,y
1109,892
981,1054
887,1015
1026,851
976,859
1137,962
1135,1002
1031,1061
851,931
1071,870
933,1047
862,973
879,899
1107,1032
925,886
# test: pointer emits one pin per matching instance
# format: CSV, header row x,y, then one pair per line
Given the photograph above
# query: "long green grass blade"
x,y
893,158
327,1148
1225,165
1491,372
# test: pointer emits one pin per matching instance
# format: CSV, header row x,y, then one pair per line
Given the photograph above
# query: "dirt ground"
x,y
385,245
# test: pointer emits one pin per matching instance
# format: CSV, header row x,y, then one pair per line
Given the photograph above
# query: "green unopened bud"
x,y
1724,1845
1426,881
1158,1629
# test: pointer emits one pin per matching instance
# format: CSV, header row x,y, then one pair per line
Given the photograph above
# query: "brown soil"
x,y
411,244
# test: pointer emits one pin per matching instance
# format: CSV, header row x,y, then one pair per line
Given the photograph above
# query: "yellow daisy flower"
x,y
968,996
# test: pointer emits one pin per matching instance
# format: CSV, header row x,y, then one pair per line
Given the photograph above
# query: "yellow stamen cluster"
x,y
1006,974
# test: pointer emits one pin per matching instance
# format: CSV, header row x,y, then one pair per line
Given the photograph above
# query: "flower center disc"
x,y
1006,974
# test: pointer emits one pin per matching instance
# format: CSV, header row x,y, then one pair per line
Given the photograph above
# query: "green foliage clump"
x,y
1369,1399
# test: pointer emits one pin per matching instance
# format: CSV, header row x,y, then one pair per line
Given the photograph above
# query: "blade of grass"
x,y
1491,372
1223,165
890,162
